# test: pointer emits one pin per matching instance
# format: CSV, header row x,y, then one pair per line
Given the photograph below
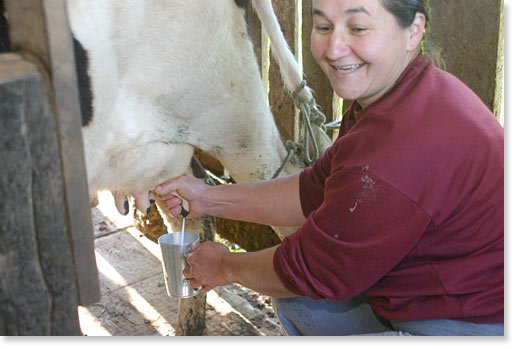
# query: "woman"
x,y
401,219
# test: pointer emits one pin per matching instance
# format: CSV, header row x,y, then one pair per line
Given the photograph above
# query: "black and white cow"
x,y
169,75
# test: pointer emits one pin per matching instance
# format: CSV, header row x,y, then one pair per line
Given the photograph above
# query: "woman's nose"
x,y
337,46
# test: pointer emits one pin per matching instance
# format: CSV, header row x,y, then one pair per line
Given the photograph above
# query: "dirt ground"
x,y
134,300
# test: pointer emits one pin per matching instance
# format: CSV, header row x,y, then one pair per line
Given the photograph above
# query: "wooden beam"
x,y
281,103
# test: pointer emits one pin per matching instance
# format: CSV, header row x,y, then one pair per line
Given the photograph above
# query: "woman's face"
x,y
361,48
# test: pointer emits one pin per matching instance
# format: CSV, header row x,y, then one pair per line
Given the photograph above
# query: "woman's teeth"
x,y
348,68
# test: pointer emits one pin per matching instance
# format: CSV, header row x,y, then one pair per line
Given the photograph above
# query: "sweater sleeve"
x,y
312,182
363,228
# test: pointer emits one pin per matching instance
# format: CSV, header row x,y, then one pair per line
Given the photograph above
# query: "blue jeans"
x,y
302,316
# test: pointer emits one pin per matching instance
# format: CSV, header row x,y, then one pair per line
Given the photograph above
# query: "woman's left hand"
x,y
205,266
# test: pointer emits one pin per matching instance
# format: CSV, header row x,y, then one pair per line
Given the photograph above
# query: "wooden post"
x,y
191,318
315,77
281,103
468,36
40,32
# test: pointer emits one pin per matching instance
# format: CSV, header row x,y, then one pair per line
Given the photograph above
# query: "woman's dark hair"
x,y
404,11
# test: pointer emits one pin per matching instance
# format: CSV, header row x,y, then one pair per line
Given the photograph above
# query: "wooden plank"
x,y
315,77
499,79
281,103
38,294
72,150
469,43
41,27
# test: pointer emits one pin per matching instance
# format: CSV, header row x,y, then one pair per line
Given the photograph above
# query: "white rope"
x,y
308,147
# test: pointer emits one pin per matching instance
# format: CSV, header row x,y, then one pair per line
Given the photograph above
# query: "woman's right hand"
x,y
175,191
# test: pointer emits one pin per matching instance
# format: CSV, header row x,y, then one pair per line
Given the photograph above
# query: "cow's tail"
x,y
288,65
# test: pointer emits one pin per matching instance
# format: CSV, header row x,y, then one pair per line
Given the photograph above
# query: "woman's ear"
x,y
416,31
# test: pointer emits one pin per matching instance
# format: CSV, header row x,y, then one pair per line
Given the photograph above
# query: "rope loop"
x,y
292,148
308,147
312,116
297,91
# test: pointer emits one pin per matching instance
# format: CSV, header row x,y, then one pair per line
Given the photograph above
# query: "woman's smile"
x,y
345,70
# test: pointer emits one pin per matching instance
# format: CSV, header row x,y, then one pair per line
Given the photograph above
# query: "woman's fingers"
x,y
188,275
187,272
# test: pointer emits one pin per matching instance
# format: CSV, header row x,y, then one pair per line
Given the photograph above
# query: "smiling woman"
x,y
401,218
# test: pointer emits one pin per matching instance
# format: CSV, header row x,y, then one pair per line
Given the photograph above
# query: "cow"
x,y
161,77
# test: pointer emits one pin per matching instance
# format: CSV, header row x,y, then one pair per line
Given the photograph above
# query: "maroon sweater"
x,y
407,206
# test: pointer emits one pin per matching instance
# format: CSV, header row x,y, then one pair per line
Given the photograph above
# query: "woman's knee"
x,y
305,316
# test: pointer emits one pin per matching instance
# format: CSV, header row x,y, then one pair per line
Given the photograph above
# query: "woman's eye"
x,y
359,30
322,28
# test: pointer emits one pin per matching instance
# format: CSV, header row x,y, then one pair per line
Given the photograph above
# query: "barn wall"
x,y
468,37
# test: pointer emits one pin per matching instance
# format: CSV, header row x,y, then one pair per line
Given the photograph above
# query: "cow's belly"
x,y
133,167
